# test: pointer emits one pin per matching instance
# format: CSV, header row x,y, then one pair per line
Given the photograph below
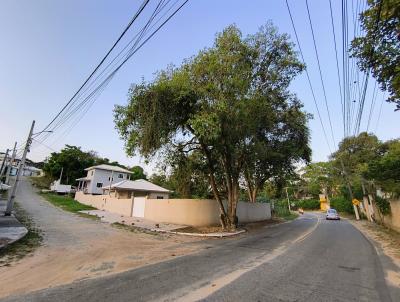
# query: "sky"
x,y
49,47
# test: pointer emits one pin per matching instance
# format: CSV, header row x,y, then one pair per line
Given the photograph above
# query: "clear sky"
x,y
48,47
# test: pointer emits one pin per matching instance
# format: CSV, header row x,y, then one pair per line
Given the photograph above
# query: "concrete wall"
x,y
194,212
201,212
393,220
106,202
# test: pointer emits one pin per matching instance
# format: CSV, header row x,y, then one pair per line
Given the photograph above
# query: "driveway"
x,y
76,248
309,259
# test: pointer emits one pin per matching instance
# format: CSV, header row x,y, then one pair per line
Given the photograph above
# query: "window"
x,y
120,175
99,184
110,179
160,197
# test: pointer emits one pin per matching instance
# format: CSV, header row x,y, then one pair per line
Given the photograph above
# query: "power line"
x,y
337,63
320,72
71,111
89,99
141,8
374,93
308,76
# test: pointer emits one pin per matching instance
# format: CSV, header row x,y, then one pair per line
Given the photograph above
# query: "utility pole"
x,y
4,164
10,201
350,190
9,167
288,201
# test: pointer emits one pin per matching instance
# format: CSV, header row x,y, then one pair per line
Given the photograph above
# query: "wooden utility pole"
x,y
11,197
350,190
9,167
4,163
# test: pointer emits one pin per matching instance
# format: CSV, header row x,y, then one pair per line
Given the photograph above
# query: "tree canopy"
x,y
379,49
73,161
230,106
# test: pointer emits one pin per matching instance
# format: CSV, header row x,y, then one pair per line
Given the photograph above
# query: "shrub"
x,y
383,205
342,204
307,204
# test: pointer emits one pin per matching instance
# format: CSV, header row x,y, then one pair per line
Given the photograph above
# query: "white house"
x,y
99,176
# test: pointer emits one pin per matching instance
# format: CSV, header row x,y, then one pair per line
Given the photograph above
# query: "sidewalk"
x,y
11,229
152,226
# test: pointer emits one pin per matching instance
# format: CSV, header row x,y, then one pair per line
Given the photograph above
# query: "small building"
x,y
136,188
101,176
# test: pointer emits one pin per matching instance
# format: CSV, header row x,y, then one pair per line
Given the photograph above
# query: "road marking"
x,y
215,285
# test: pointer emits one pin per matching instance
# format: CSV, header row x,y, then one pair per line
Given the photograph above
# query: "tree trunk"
x,y
233,197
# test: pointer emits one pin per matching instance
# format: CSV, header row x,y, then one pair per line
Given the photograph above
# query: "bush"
x,y
383,205
342,204
307,204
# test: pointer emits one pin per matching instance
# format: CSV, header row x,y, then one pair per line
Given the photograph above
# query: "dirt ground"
x,y
389,241
76,248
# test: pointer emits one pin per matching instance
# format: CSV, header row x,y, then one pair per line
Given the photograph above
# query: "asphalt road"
x,y
309,259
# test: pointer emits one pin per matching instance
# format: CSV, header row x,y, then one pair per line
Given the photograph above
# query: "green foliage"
x,y
72,160
386,169
137,173
306,204
319,176
342,204
383,205
281,210
229,106
379,49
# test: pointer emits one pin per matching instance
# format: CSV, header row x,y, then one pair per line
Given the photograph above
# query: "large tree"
x,y
379,49
72,160
215,105
385,170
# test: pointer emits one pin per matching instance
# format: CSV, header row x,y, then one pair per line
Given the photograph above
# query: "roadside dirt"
x,y
388,240
76,248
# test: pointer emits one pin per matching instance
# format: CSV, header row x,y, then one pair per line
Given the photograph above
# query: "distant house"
x,y
136,188
100,176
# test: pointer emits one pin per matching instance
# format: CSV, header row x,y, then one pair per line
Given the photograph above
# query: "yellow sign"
x,y
356,202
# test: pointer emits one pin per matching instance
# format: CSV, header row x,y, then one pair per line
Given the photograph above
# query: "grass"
x,y
68,204
27,245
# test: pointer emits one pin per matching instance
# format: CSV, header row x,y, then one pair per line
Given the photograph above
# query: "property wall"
x,y
106,202
393,220
200,212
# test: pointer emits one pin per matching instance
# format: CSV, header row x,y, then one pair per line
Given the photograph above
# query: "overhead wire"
x,y
320,72
119,63
308,77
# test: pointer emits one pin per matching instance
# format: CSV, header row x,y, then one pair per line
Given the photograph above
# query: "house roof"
x,y
109,168
137,185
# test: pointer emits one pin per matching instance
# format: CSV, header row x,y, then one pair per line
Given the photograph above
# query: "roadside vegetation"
x,y
67,203
281,210
25,246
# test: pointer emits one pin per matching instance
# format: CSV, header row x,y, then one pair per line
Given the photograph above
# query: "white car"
x,y
332,214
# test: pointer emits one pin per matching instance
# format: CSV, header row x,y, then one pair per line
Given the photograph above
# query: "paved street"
x,y
309,259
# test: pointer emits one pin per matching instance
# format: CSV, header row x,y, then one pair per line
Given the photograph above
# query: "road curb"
x,y
215,235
